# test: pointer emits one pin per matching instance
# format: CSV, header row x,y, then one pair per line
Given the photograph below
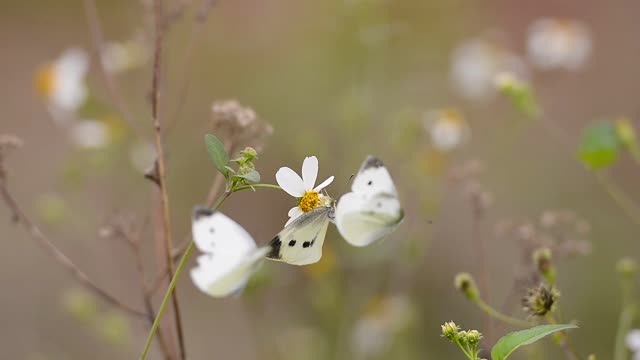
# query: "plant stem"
x,y
500,316
625,320
172,285
257,186
571,352
619,197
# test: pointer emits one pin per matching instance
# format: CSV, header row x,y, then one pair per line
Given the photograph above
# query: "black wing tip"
x,y
202,211
275,245
372,162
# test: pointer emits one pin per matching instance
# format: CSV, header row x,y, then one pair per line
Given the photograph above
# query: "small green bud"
x,y
450,330
114,328
542,260
249,153
473,337
625,131
518,92
462,337
465,283
627,267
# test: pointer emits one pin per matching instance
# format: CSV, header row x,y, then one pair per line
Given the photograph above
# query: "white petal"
x,y
294,213
290,182
324,184
309,172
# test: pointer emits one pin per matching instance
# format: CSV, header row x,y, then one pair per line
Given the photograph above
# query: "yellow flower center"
x,y
45,80
309,201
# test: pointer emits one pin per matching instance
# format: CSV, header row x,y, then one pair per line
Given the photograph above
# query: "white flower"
x,y
118,57
90,134
633,340
558,44
62,82
303,187
475,64
446,129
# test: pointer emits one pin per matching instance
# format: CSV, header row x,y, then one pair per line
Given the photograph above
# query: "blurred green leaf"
x,y
599,146
218,154
512,341
253,177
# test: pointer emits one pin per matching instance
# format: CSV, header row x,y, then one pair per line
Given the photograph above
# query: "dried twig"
x,y
21,218
155,114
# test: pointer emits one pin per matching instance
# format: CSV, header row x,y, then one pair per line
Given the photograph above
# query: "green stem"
x,y
500,316
264,186
172,285
619,197
571,351
625,320
464,350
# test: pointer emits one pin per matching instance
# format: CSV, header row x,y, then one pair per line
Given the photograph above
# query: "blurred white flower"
x,y
446,129
142,155
62,82
118,57
633,340
475,64
374,332
303,188
90,134
558,44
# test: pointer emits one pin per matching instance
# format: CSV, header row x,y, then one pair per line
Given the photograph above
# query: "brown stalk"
x,y
161,167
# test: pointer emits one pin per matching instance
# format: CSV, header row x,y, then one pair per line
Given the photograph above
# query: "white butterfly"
x,y
371,210
230,253
300,242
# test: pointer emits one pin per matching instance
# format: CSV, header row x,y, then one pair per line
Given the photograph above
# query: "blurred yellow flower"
x,y
446,129
62,82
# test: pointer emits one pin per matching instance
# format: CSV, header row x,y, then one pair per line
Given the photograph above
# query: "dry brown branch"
x,y
155,115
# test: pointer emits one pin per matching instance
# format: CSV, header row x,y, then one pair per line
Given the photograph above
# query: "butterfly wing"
x,y
220,275
215,232
300,242
373,178
372,210
230,253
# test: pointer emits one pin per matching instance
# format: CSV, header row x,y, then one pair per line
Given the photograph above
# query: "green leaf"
x,y
217,153
599,146
510,342
253,177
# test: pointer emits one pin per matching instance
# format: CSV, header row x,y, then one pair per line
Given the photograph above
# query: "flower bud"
x,y
540,300
473,337
450,330
465,283
542,260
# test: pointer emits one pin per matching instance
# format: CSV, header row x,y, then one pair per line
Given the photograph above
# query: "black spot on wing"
x,y
275,245
201,211
371,162
292,243
306,244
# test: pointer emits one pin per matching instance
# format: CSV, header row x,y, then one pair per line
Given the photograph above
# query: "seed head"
x,y
465,283
540,300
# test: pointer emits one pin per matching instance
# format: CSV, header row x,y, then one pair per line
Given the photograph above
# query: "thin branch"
x,y
111,84
155,114
21,218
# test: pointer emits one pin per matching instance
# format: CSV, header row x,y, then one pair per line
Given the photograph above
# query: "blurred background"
x,y
483,183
